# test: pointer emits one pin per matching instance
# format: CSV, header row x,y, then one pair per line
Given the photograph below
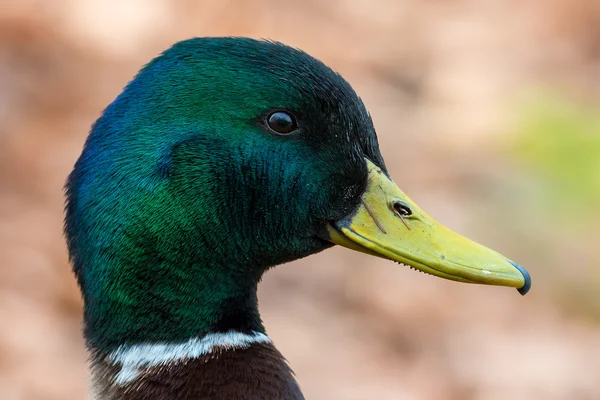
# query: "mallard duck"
x,y
222,158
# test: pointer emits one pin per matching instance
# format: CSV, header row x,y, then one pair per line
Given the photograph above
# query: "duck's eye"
x,y
402,209
282,123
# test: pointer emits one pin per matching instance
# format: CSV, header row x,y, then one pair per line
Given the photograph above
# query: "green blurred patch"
x,y
557,140
560,140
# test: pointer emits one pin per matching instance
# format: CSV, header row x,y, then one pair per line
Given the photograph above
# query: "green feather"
x,y
182,197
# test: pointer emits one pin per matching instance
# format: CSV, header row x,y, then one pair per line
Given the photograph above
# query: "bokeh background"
x,y
488,114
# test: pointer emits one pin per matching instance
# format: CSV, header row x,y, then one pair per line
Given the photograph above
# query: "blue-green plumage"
x,y
182,197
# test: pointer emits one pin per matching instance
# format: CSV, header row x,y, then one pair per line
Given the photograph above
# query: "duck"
x,y
222,158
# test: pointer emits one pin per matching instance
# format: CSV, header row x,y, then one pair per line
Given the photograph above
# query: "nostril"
x,y
401,209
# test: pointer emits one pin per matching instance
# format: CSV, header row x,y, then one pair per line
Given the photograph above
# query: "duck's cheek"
x,y
325,207
342,193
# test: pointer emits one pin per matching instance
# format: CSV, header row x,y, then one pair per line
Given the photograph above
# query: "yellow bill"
x,y
389,224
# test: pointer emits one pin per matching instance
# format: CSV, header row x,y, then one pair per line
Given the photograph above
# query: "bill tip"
x,y
527,285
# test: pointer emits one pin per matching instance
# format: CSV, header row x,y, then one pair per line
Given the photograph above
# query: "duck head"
x,y
222,158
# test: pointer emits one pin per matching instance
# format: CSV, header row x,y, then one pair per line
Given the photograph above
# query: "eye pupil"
x,y
281,122
402,209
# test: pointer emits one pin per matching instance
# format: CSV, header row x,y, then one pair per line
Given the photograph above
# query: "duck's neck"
x,y
160,302
157,331
164,335
230,365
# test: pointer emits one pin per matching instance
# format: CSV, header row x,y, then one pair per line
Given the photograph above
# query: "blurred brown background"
x,y
488,114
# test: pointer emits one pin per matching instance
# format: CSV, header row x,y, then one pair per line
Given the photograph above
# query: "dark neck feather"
x,y
256,372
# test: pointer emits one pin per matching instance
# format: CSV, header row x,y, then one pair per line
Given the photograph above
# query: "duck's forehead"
x,y
293,79
261,70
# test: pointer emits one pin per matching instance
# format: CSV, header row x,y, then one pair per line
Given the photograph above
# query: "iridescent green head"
x,y
222,158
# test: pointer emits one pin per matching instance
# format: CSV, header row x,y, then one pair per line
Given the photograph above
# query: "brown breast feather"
x,y
256,372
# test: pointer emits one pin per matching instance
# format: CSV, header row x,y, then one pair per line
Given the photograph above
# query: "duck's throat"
x,y
229,365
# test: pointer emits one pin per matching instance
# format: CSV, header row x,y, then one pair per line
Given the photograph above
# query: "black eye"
x,y
402,209
281,122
